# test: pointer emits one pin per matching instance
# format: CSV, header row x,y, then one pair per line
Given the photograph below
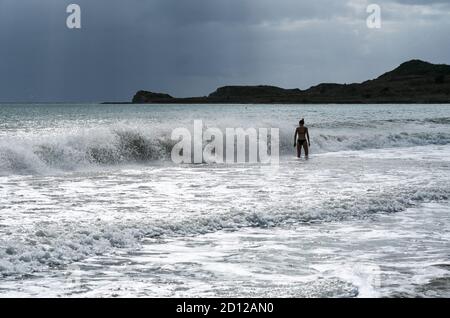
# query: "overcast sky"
x,y
191,47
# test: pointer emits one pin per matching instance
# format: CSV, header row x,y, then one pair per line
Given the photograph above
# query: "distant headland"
x,y
414,81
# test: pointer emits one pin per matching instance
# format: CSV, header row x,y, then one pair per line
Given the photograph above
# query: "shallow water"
x,y
82,213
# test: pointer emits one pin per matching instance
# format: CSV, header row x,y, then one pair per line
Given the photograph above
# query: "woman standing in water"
x,y
301,133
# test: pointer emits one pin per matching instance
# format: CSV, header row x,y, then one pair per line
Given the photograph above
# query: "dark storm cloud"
x,y
190,47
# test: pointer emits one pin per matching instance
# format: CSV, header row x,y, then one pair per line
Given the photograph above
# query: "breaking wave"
x,y
114,146
89,148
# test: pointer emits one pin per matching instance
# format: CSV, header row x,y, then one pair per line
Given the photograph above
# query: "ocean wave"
x,y
56,245
364,124
123,145
89,148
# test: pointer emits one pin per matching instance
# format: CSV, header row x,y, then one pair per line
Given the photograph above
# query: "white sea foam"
x,y
68,150
89,183
55,245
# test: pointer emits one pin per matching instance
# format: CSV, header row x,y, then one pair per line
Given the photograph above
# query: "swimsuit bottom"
x,y
301,142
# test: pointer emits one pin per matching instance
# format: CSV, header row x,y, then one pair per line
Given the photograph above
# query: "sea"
x,y
91,204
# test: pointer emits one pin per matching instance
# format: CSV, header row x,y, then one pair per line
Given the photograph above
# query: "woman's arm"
x,y
307,135
295,137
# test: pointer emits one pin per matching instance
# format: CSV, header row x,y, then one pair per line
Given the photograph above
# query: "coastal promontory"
x,y
414,81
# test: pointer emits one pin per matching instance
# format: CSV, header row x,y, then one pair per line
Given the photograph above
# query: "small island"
x,y
414,81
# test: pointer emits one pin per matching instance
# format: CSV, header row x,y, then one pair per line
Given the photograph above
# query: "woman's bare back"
x,y
301,133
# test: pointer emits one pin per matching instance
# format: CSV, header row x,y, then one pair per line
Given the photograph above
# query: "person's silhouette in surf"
x,y
300,139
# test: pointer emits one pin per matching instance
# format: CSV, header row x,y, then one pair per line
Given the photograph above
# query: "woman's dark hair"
x,y
302,121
